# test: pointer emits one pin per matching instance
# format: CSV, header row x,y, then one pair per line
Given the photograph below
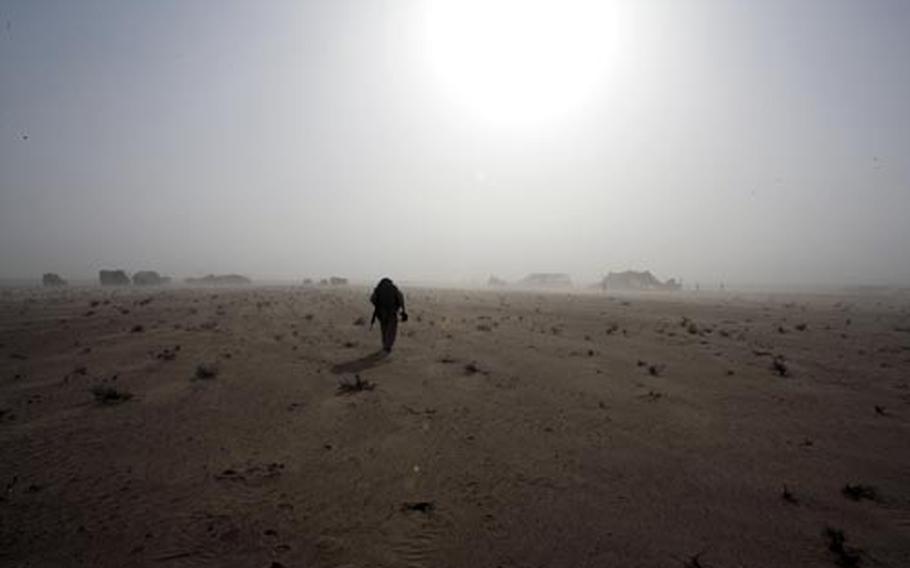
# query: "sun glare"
x,y
521,61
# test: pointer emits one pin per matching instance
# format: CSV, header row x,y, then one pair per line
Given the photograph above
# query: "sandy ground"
x,y
507,429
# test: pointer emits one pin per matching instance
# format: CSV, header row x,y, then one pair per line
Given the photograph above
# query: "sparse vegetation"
x,y
108,395
206,371
845,556
167,354
419,506
689,325
694,561
653,395
788,496
347,386
859,492
779,367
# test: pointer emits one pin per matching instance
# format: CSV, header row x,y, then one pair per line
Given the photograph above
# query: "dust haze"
x,y
739,143
448,283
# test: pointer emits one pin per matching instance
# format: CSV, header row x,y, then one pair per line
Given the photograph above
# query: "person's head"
x,y
385,281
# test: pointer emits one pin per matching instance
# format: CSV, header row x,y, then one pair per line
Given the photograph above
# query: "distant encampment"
x,y
634,280
149,278
52,279
220,280
338,281
113,278
547,280
494,281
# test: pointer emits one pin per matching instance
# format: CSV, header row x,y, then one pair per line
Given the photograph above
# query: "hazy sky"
x,y
746,142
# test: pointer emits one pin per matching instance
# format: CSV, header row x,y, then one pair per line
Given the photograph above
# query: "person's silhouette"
x,y
387,301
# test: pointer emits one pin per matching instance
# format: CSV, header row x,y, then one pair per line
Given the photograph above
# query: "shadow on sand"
x,y
361,364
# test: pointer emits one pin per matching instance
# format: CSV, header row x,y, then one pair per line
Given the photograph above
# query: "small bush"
x,y
206,371
859,492
788,496
779,367
419,506
108,395
355,386
845,556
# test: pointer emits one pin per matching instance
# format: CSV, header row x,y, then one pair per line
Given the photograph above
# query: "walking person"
x,y
387,302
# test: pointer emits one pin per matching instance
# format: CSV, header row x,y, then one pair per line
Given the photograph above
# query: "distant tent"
x,y
633,280
221,280
113,278
149,278
547,280
494,281
52,279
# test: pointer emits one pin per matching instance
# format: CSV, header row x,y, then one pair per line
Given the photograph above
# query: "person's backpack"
x,y
385,296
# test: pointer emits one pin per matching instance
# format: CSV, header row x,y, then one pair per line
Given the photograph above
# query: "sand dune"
x,y
199,427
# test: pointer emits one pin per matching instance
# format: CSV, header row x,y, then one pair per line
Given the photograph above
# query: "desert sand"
x,y
181,427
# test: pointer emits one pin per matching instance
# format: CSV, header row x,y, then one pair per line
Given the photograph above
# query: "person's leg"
x,y
389,339
384,326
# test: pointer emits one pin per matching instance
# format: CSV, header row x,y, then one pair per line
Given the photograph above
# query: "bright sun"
x,y
521,61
